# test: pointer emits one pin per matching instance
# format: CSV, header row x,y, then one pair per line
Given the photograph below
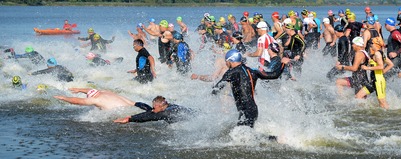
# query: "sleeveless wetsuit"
x,y
378,83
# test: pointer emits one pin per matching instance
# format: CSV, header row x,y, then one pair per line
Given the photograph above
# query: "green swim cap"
x,y
16,80
90,30
29,49
164,23
96,36
212,18
179,18
250,20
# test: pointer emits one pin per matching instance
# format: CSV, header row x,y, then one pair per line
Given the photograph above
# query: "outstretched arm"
x,y
74,100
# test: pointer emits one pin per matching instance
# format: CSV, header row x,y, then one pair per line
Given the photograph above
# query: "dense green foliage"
x,y
195,2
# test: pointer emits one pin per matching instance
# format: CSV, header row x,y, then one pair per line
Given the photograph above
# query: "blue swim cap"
x,y
256,13
233,56
399,9
51,62
370,20
139,25
390,21
340,11
177,36
152,20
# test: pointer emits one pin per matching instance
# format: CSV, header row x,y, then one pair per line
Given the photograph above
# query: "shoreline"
x,y
143,4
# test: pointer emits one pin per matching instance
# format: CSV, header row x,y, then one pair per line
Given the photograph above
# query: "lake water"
x,y
307,115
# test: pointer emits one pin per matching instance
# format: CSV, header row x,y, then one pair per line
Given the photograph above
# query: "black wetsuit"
x,y
173,113
394,45
243,81
164,49
100,45
144,74
90,37
355,29
63,74
344,57
331,18
297,47
34,56
97,61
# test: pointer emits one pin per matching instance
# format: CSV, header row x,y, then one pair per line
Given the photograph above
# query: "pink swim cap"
x,y
90,56
92,93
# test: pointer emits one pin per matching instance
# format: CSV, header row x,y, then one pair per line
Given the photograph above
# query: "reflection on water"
x,y
307,115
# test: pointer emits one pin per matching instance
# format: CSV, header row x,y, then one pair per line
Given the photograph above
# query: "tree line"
x,y
200,2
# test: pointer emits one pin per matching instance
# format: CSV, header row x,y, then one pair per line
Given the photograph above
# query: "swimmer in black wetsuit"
x,y
145,64
243,81
33,55
162,110
62,73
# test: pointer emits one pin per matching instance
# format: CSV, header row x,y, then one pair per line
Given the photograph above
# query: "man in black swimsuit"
x,y
243,81
162,110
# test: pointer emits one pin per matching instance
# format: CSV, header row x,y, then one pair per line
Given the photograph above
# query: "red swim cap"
x,y
275,15
246,13
367,9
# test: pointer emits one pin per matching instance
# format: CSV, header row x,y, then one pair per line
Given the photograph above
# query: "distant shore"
x,y
143,4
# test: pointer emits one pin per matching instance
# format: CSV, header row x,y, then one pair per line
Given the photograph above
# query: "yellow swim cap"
x,y
291,13
222,19
229,16
96,36
90,30
314,14
351,16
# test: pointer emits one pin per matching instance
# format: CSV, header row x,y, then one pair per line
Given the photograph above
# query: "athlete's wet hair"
x,y
159,99
138,42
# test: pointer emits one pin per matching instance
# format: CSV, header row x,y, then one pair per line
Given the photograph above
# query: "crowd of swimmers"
x,y
280,47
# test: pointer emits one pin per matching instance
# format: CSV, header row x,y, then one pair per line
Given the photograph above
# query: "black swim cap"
x,y
243,19
237,35
339,28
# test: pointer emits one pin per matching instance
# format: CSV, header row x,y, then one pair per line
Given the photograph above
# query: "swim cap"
x,y
340,11
170,25
255,13
310,15
245,13
367,9
251,20
237,35
370,20
90,56
291,13
233,56
51,62
347,11
164,23
330,12
304,12
206,15
96,36
41,87
139,25
179,18
296,14
339,28
92,93
262,26
358,41
390,21
212,18
326,20
256,17
274,47
222,19
287,21
351,16
29,49
90,30
243,19
229,16
314,14
177,36
152,20
275,15
16,81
